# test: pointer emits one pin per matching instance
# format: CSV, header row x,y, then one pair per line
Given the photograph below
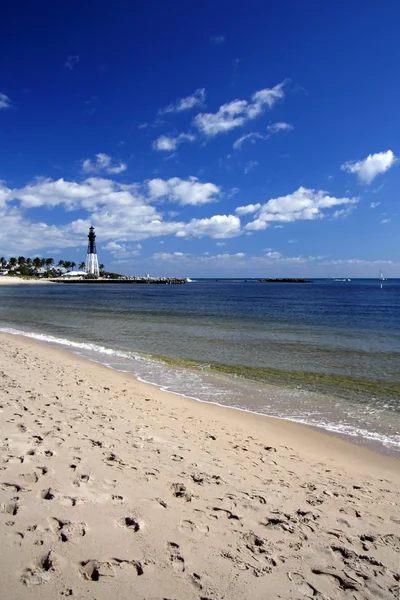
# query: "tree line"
x,y
31,266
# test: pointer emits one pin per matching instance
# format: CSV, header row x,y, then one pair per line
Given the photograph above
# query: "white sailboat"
x,y
381,277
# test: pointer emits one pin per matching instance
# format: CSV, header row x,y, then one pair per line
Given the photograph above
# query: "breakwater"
x,y
286,280
139,280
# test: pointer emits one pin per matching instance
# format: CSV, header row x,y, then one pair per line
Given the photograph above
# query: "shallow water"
x,y
336,345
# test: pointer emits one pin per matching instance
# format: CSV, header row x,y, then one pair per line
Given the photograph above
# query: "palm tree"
x,y
73,264
37,262
21,261
67,264
3,261
28,262
49,262
12,262
101,267
82,266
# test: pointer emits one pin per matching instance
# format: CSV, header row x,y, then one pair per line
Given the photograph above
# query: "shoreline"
x,y
280,391
110,485
303,431
5,280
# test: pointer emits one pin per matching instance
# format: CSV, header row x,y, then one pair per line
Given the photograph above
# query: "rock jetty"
x,y
140,280
286,280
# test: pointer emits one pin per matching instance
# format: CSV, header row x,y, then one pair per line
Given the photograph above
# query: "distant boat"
x,y
381,277
342,279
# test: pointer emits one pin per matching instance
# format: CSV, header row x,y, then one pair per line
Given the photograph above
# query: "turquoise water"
x,y
335,345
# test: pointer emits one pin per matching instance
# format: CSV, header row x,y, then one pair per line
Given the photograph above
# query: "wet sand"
x,y
110,488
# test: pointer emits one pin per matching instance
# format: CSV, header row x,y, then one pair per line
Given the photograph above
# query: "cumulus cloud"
x,y
236,113
184,192
5,101
121,213
374,204
280,126
368,168
303,204
250,137
247,210
71,62
167,143
182,104
103,163
218,226
122,251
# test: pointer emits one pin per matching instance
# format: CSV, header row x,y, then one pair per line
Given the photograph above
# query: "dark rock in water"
x,y
286,280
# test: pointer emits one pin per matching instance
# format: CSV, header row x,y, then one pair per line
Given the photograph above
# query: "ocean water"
x,y
325,353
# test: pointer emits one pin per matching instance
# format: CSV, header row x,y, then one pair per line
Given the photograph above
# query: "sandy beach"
x,y
5,280
110,488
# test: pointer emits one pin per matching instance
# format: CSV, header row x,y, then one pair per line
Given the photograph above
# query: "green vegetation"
x,y
39,267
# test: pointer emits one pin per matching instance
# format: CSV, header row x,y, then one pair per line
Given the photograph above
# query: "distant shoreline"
x,y
7,280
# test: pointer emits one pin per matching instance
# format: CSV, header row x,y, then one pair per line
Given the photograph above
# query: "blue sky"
x,y
203,138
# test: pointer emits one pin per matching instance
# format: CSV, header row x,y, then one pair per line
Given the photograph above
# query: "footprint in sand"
x,y
187,526
94,570
48,494
11,509
130,523
81,479
69,531
177,561
303,586
12,487
43,572
179,491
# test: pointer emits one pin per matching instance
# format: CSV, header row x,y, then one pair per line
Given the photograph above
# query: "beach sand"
x,y
112,489
5,280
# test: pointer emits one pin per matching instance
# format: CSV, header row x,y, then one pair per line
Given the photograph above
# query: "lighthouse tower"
x,y
92,263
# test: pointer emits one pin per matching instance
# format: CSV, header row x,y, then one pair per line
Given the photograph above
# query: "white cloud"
x,y
247,210
217,40
276,127
385,221
5,101
122,251
220,244
303,204
251,137
168,144
238,112
374,204
189,192
182,104
343,213
250,166
368,168
71,62
103,162
273,255
121,213
218,226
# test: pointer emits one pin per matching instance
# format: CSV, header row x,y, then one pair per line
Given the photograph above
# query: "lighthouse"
x,y
92,263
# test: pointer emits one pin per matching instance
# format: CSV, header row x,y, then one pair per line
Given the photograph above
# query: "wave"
x,y
197,381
